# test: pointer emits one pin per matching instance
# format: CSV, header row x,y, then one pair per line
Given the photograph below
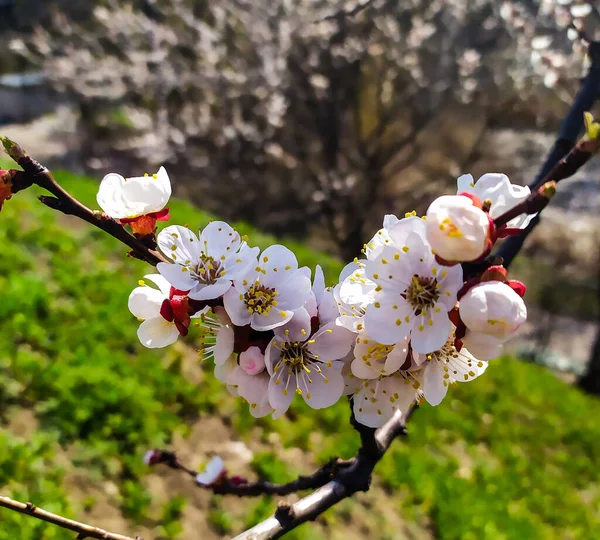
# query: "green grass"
x,y
512,455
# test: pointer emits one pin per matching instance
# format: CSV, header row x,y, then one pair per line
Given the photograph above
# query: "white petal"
x,y
236,308
146,194
157,333
275,318
294,292
319,284
298,327
482,346
465,184
209,292
211,473
361,370
426,338
281,395
111,199
387,324
324,389
163,285
176,275
180,244
331,342
435,386
224,345
145,302
279,264
216,237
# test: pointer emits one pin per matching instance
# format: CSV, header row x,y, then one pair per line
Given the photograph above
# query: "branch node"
x,y
285,512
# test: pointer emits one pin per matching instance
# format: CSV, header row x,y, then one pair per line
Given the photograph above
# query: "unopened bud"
x,y
592,128
457,229
548,189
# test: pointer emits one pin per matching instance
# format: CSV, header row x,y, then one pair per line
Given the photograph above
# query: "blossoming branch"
x,y
425,307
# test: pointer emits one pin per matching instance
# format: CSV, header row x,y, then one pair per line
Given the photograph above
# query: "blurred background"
x,y
305,122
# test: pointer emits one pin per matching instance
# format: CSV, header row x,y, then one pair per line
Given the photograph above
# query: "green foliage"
x,y
511,455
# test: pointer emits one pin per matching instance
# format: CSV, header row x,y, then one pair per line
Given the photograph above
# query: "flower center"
x,y
207,271
294,355
448,227
260,299
377,353
422,293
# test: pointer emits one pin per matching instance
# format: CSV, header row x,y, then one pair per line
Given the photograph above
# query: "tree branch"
x,y
34,173
356,477
567,136
83,530
242,488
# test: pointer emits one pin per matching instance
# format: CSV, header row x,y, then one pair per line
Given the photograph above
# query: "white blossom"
x,y
162,313
267,296
372,360
306,364
457,229
206,266
499,193
376,400
212,472
122,198
413,296
446,366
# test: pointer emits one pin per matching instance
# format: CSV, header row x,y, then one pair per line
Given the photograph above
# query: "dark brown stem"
x,y
544,188
232,486
83,530
34,173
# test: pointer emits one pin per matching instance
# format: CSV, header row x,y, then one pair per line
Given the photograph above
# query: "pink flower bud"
x,y
457,230
252,361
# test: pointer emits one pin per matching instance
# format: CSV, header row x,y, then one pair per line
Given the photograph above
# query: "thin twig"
x,y
34,173
83,530
242,488
567,136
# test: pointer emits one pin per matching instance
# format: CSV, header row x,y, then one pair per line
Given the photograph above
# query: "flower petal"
x,y
177,275
435,386
218,238
233,302
331,342
157,333
179,244
209,292
281,395
321,390
297,328
145,302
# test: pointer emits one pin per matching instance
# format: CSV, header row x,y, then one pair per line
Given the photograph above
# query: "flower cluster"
x,y
403,324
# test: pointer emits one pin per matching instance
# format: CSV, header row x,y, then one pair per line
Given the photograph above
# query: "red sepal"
x,y
495,273
474,199
517,286
166,311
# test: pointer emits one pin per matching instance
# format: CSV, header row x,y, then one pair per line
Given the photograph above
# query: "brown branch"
x,y
544,189
242,488
354,478
83,530
35,174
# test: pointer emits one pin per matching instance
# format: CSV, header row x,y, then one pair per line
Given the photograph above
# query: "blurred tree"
x,y
309,115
